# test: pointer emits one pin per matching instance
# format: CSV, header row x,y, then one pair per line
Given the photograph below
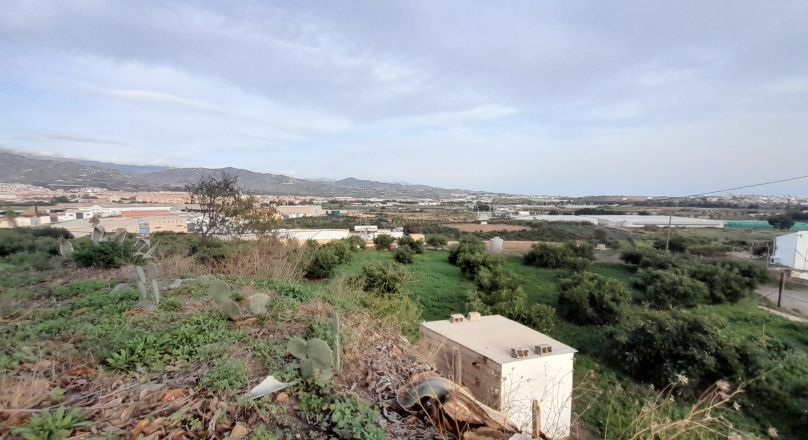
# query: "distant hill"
x,y
61,172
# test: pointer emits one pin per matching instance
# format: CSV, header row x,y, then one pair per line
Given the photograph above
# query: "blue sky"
x,y
547,97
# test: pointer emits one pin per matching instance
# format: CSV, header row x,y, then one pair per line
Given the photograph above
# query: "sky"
x,y
532,97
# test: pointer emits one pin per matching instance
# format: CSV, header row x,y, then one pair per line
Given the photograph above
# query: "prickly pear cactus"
x,y
231,309
151,270
258,304
140,274
219,290
316,358
156,291
144,294
335,332
202,280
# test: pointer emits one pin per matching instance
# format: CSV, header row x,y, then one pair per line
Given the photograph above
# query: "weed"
x,y
52,425
227,375
77,288
170,305
269,352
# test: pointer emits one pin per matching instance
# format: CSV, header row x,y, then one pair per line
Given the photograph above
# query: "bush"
x,y
580,250
437,241
752,273
322,262
341,249
654,259
107,255
465,246
356,242
472,263
513,304
575,264
383,242
666,289
495,279
404,255
666,345
592,299
415,246
677,244
723,283
546,255
384,278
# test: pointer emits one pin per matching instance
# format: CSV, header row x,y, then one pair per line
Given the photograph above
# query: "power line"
x,y
745,186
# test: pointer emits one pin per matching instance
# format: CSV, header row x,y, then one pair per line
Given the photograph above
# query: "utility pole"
x,y
670,220
782,284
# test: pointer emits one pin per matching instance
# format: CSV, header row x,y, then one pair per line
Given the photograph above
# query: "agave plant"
x,y
144,248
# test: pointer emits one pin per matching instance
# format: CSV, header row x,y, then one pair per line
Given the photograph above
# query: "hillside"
x,y
49,172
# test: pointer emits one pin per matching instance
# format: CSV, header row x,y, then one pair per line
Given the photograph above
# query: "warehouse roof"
x,y
494,336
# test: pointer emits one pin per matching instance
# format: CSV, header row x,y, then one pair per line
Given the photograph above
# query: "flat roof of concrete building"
x,y
494,336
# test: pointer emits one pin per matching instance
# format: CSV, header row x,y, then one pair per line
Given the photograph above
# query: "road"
x,y
792,299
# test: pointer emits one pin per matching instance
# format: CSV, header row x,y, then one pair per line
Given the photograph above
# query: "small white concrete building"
x,y
791,250
507,366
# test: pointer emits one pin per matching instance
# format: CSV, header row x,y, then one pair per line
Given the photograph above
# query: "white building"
x,y
639,221
792,250
507,366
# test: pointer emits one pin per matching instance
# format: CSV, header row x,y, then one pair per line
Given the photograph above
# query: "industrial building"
x,y
298,211
639,221
507,366
791,250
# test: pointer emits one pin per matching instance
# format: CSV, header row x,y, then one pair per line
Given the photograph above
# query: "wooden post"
x,y
536,419
668,240
457,368
782,285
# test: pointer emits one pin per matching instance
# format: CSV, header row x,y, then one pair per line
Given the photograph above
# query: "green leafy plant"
x,y
356,243
415,246
404,255
383,278
227,375
383,242
667,289
592,299
56,425
437,241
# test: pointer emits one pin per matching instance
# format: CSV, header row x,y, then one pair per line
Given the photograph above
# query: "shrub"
x,y
465,246
322,262
580,250
356,242
575,264
666,289
592,299
472,263
677,244
383,242
384,278
752,273
437,241
495,279
107,255
724,284
341,249
513,304
546,255
415,246
632,256
404,255
666,345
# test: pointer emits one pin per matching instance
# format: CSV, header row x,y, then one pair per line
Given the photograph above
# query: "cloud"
x,y
500,96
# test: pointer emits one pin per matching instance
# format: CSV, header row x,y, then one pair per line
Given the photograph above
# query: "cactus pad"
x,y
202,280
258,304
155,291
297,348
231,309
320,354
140,274
219,290
151,270
144,294
307,369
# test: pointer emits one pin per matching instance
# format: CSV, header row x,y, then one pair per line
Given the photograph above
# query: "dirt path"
x,y
792,299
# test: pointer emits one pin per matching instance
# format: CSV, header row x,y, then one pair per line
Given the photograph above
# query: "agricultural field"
x,y
471,227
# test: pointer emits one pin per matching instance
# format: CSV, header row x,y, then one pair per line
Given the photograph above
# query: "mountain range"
x,y
65,173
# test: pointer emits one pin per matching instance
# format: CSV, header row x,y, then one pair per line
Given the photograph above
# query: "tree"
x,y
383,241
437,241
217,198
412,228
592,299
11,217
782,222
95,220
404,255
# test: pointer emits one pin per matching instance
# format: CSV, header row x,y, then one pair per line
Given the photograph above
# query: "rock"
x,y
239,432
176,284
281,397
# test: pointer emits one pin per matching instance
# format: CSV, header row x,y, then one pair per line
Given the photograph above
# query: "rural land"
x,y
161,310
